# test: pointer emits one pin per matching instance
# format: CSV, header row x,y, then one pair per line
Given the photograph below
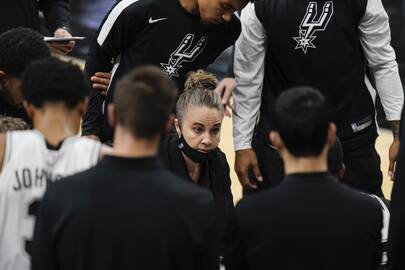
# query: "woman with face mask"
x,y
193,153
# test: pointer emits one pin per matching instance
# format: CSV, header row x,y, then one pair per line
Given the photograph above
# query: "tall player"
x,y
55,99
328,45
176,35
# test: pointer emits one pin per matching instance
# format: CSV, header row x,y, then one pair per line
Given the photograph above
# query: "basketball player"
x,y
18,48
129,212
55,99
176,35
328,45
310,220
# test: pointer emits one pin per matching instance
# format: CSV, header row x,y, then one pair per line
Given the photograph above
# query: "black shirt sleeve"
x,y
57,13
116,34
43,249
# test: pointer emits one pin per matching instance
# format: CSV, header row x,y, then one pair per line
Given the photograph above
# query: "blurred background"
x,y
88,14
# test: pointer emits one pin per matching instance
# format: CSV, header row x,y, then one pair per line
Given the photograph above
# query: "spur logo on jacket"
x,y
184,53
310,24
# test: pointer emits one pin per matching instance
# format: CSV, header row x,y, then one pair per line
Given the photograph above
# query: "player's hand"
x,y
393,153
100,81
244,160
62,48
93,137
224,89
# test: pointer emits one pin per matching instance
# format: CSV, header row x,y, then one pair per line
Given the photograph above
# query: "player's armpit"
x,y
2,149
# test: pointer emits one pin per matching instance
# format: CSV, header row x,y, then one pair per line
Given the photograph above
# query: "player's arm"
x,y
116,33
375,37
57,13
2,149
58,16
250,50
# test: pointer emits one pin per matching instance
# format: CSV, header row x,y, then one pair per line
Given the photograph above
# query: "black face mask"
x,y
194,155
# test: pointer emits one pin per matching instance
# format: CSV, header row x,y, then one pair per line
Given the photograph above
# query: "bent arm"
x,y
375,37
250,50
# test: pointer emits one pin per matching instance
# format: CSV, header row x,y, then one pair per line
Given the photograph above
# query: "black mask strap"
x,y
194,155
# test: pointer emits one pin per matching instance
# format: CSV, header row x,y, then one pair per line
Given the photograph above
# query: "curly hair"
x,y
8,123
52,80
18,48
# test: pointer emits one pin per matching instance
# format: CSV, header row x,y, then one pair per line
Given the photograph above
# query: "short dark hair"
x,y
144,99
302,120
335,157
18,48
52,80
8,123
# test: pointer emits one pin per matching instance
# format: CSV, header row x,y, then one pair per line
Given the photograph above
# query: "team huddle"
x,y
119,166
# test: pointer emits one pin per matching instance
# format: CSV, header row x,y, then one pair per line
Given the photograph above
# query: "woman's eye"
x,y
198,130
215,130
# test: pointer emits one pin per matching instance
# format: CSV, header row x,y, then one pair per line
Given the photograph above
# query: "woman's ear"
x,y
177,126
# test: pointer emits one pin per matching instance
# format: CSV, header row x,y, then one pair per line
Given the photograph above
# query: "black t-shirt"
x,y
160,33
309,221
125,213
317,43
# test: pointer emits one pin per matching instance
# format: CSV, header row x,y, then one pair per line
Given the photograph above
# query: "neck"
x,y
305,164
129,146
191,6
193,168
56,124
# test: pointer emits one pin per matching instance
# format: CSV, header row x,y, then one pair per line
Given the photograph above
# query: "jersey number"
x,y
33,212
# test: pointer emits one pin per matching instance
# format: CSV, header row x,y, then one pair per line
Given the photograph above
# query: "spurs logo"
x,y
310,25
184,53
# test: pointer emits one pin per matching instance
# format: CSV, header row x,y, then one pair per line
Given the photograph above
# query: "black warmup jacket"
x,y
330,59
25,13
125,213
215,176
155,32
309,221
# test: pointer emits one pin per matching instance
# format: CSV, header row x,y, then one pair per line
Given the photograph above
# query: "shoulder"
x,y
260,8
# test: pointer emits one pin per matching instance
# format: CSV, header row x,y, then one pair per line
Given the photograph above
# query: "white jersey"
x,y
28,166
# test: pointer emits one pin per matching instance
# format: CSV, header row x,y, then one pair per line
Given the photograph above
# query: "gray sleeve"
x,y
250,50
375,38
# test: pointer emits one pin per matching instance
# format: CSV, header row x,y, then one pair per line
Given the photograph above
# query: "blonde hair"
x,y
199,91
200,79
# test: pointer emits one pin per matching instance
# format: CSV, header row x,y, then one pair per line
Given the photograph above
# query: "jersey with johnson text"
x,y
29,166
